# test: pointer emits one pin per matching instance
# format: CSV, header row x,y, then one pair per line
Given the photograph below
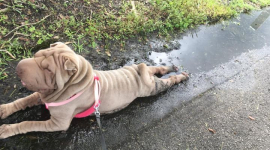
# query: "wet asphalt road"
x,y
232,114
224,108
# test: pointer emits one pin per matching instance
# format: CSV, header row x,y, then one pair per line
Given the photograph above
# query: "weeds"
x,y
88,23
3,74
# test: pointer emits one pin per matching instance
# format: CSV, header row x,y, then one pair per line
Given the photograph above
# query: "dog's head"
x,y
49,69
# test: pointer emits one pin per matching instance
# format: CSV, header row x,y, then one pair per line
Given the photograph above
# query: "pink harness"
x,y
90,110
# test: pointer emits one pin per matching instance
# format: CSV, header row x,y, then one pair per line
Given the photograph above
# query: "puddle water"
x,y
210,46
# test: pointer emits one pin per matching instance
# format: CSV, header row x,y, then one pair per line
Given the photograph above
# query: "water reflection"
x,y
260,19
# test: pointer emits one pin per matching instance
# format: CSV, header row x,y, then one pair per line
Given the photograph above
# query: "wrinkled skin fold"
x,y
56,73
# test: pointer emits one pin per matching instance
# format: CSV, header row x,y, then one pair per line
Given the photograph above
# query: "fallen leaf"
x,y
251,118
56,37
212,130
108,53
68,43
23,39
29,12
61,16
98,50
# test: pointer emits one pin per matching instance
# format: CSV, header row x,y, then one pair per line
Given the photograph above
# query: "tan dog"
x,y
57,73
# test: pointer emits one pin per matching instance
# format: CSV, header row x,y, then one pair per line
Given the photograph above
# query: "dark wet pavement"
x,y
227,63
228,109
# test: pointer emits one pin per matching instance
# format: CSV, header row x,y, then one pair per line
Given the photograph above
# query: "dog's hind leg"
x,y
20,104
163,84
148,72
162,70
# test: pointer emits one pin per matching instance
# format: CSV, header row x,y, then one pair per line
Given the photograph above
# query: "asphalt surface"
x,y
224,108
233,113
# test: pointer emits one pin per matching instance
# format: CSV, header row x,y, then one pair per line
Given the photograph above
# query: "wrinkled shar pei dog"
x,y
69,87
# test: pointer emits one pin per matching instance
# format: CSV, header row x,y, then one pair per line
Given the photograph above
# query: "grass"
x,y
27,25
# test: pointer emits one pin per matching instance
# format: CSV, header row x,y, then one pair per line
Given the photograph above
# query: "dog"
x,y
69,87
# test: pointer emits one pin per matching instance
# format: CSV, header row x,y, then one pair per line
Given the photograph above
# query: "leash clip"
x,y
97,111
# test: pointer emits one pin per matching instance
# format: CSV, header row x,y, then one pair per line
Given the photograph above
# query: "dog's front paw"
x,y
3,111
5,131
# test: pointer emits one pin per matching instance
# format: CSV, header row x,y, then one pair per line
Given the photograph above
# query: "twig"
x,y
11,8
8,53
33,5
26,25
11,37
12,92
17,33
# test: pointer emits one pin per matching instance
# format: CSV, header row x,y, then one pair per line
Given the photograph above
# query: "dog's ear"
x,y
53,45
69,66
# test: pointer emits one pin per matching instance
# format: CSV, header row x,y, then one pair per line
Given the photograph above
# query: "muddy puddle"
x,y
198,51
208,46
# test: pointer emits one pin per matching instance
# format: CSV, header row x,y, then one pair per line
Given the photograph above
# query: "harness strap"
x,y
64,102
86,113
90,110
